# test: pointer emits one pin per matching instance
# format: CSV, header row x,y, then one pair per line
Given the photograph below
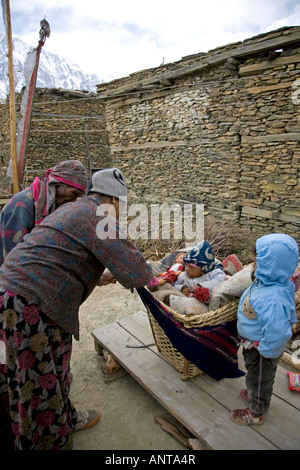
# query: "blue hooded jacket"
x,y
271,296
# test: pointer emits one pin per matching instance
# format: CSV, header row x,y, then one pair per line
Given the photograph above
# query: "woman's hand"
x,y
107,278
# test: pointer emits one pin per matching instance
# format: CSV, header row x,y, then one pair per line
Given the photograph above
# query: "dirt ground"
x,y
127,410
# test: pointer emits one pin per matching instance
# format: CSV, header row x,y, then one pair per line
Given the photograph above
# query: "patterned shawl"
x,y
69,172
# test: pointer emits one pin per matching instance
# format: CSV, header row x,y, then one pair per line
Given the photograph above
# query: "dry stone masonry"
x,y
220,128
65,125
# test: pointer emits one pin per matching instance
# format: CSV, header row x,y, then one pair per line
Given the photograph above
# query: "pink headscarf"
x,y
69,172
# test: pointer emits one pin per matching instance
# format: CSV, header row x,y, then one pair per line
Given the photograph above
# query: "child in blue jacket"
x,y
266,315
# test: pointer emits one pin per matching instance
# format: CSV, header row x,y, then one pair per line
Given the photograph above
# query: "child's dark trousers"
x,y
259,380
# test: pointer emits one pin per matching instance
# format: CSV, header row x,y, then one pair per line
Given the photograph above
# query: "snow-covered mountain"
x,y
54,71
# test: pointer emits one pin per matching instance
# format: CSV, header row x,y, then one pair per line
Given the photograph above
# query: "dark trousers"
x,y
259,380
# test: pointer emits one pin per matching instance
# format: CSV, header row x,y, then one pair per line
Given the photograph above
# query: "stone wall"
x,y
65,125
219,128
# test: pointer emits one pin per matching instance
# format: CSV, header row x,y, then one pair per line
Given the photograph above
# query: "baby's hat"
x,y
202,256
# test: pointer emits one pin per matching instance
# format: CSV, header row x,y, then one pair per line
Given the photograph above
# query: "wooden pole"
x,y
44,33
27,118
290,361
12,108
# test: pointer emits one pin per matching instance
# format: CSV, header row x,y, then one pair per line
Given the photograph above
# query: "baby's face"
x,y
193,271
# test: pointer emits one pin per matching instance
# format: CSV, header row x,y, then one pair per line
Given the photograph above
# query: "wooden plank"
x,y
281,425
280,388
226,391
138,325
203,416
268,64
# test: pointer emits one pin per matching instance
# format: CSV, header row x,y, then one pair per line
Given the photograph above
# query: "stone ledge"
x,y
259,213
291,211
290,216
267,64
267,88
271,137
289,219
204,62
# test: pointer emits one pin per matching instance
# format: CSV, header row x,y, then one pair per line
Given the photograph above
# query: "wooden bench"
x,y
201,404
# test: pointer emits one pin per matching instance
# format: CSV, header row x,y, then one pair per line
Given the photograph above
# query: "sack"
x,y
187,305
231,288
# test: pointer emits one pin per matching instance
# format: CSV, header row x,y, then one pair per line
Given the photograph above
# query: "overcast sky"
x,y
113,38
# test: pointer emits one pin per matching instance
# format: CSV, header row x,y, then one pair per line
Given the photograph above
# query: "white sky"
x,y
113,38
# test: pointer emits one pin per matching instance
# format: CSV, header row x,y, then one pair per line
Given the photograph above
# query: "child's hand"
x,y
195,287
202,294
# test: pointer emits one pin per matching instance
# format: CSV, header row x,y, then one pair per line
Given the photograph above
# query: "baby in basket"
x,y
201,273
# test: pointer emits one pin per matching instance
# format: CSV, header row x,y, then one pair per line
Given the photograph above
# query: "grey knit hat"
x,y
109,181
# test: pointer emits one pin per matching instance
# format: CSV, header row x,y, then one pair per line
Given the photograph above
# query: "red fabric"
x,y
231,264
170,277
69,183
202,294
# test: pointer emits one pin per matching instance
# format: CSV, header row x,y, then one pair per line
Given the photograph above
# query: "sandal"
x,y
246,418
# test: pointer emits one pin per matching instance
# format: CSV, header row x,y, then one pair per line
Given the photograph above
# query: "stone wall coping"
x,y
206,60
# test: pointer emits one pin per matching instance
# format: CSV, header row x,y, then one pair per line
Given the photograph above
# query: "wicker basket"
x,y
186,368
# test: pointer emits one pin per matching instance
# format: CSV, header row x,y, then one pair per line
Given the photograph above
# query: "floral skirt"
x,y
35,409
